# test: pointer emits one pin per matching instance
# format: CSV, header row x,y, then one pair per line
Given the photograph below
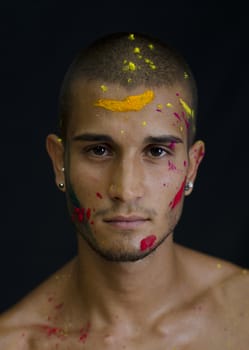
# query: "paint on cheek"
x,y
178,196
99,195
80,214
171,165
147,242
185,163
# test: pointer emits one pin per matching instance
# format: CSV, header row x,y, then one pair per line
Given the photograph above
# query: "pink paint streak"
x,y
185,163
178,196
185,120
171,165
99,195
177,116
147,242
172,145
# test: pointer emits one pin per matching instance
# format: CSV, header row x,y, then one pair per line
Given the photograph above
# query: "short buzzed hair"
x,y
129,60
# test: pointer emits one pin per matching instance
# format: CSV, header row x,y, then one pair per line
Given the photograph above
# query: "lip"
x,y
126,222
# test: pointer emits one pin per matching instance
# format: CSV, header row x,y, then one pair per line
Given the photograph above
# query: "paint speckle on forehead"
x,y
131,37
130,103
104,88
147,242
129,66
159,107
169,105
178,195
144,123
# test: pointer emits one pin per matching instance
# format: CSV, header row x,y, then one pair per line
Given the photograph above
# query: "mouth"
x,y
126,222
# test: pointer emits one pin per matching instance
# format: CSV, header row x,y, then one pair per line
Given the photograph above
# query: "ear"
x,y
55,150
195,155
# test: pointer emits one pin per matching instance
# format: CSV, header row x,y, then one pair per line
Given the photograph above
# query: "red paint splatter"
x,y
147,242
99,195
79,214
59,306
185,163
50,330
84,332
171,165
178,196
177,94
88,213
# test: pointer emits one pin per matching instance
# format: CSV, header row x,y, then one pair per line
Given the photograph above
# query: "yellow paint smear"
x,y
186,107
130,103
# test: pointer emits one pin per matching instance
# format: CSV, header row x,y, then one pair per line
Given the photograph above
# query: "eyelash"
x,y
90,151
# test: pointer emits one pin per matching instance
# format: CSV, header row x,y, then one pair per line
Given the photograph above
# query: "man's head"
x,y
129,60
126,144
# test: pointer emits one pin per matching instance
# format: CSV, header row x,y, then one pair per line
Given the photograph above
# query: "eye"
x,y
98,150
157,151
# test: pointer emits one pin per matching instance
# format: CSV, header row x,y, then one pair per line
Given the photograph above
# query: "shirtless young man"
x,y
125,160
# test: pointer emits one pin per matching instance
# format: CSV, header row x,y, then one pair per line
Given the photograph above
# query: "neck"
x,y
131,289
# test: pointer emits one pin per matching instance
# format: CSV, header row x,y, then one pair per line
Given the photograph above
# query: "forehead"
x,y
112,108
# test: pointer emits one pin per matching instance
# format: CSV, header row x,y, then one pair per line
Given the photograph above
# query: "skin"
x,y
169,297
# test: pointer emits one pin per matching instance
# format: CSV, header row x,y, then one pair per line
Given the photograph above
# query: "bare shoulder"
x,y
31,315
224,287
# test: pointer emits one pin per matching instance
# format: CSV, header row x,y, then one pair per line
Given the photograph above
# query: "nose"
x,y
127,183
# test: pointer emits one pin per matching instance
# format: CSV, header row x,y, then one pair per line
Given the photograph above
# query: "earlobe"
x,y
196,154
55,150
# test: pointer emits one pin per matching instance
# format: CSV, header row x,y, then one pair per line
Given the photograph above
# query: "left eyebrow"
x,y
163,139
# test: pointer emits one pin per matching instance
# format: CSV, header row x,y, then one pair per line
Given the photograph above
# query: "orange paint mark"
x,y
130,103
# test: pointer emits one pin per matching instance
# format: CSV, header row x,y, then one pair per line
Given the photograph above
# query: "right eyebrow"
x,y
93,137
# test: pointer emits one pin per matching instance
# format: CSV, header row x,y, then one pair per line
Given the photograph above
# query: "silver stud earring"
x,y
63,169
189,185
61,185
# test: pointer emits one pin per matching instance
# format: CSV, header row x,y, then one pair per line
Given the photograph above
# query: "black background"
x,y
38,41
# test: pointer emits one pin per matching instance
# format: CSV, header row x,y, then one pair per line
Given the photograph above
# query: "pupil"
x,y
156,151
99,150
